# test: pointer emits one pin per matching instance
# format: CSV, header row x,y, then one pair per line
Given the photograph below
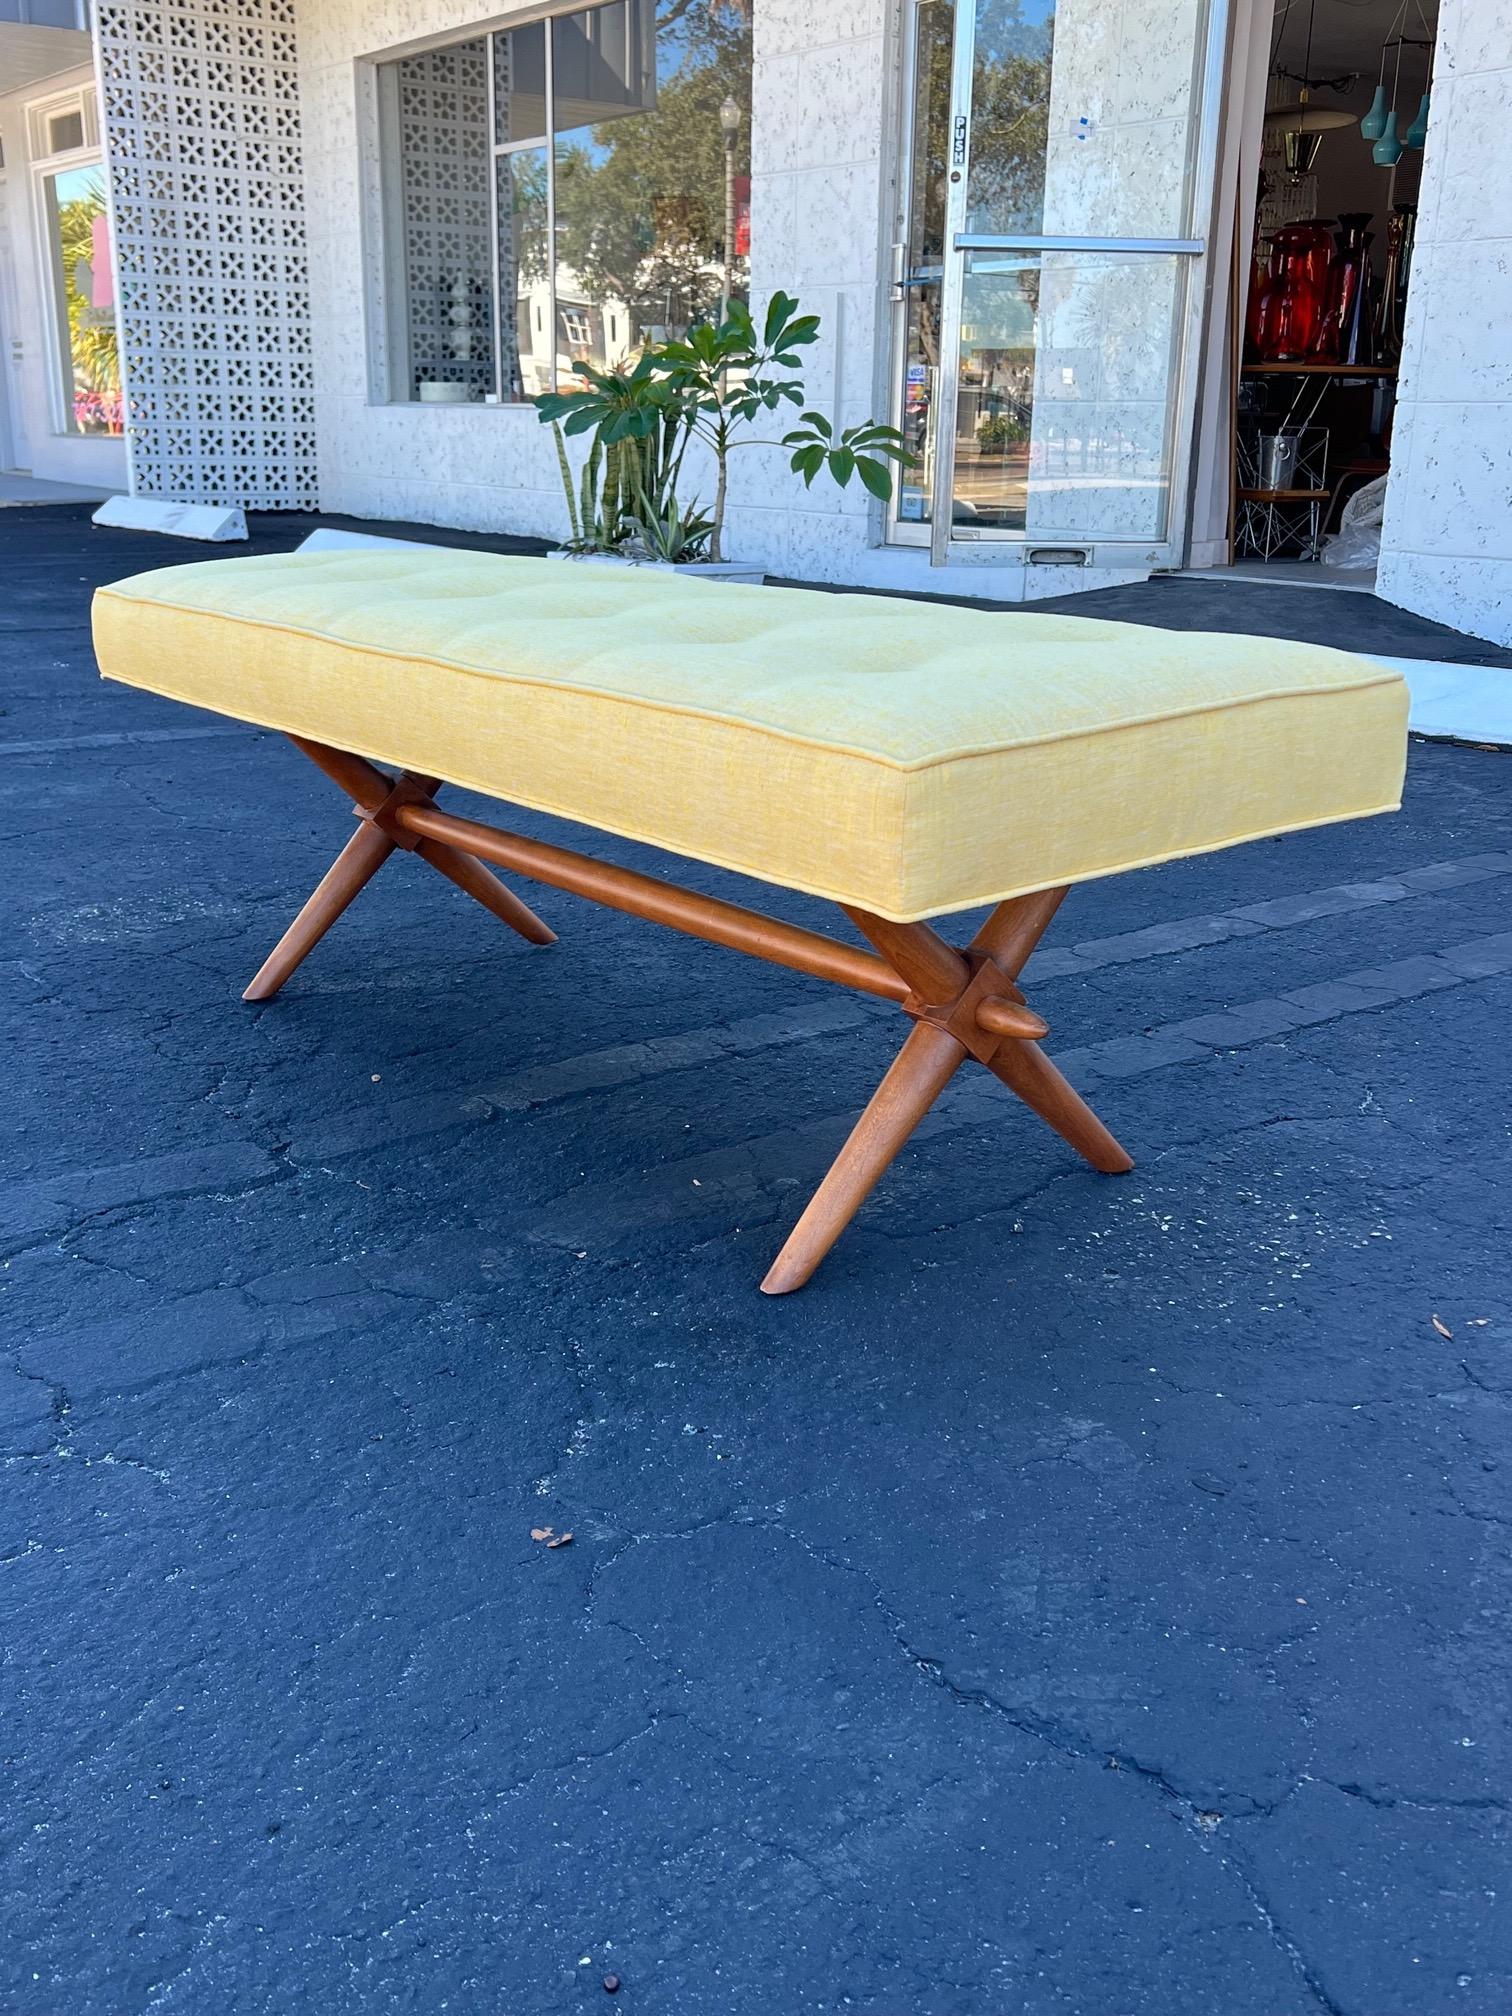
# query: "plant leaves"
x,y
779,308
875,475
809,461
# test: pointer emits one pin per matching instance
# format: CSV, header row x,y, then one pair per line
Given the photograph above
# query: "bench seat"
x,y
908,758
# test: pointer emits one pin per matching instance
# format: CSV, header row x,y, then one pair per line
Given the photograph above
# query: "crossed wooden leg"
x,y
376,798
963,1004
949,988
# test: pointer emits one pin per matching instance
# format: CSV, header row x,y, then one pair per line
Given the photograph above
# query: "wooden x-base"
x,y
963,1003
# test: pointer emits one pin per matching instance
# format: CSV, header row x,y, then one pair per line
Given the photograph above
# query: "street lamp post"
x,y
729,126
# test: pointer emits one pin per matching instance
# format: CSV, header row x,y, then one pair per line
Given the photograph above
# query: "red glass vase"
x,y
1302,258
1260,308
1344,336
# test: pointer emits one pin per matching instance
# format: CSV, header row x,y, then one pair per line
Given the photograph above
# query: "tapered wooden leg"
x,y
919,1074
945,985
349,874
1025,1069
1016,927
472,876
1010,935
377,798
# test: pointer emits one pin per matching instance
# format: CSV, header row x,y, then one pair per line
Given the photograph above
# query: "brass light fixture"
x,y
1303,124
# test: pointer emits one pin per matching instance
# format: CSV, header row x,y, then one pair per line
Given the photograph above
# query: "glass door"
x,y
1049,273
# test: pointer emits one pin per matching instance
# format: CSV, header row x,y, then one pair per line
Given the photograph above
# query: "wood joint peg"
x,y
991,991
407,790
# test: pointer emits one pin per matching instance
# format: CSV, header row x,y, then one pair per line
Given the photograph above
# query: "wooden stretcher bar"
x,y
963,1003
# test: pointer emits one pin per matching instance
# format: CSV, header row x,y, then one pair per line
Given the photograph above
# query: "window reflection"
x,y
1067,370
1081,117
632,141
446,274
1010,114
652,205
80,231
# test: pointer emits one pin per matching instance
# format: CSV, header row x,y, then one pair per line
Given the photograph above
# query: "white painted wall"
x,y
816,230
823,132
1447,545
487,468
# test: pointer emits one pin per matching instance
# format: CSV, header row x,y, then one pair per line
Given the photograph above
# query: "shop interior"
x,y
1318,321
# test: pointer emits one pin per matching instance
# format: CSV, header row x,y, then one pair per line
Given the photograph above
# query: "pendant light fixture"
x,y
1303,124
1300,150
1387,151
1380,122
1373,125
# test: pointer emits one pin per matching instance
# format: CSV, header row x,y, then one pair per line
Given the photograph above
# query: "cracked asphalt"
x,y
1089,1598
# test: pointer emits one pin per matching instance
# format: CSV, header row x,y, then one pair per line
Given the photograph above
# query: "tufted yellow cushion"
x,y
908,757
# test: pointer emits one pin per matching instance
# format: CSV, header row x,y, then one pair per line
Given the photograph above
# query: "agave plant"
x,y
667,532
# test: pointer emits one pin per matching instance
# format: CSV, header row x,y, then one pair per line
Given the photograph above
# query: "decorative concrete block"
x,y
211,254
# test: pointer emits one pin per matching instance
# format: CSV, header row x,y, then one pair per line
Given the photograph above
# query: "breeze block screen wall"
x,y
448,268
200,117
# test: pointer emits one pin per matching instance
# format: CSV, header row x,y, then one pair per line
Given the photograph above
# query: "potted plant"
x,y
712,386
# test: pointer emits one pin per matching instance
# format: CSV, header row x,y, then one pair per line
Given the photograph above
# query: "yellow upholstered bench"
x,y
905,759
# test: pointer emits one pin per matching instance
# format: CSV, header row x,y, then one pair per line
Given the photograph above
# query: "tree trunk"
x,y
716,553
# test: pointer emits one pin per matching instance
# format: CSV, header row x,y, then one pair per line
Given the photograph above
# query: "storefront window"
x,y
79,233
563,192
1045,275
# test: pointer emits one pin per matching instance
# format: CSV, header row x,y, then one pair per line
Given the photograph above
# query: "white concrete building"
x,y
351,238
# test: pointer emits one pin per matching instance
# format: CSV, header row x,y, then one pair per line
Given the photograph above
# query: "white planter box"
x,y
697,570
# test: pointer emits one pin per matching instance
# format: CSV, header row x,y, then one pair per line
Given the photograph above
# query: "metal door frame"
x,y
1210,66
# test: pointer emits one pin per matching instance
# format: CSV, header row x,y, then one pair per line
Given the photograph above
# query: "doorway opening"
x,y
1318,311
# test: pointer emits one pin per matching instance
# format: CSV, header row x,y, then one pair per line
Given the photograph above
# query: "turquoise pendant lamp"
x,y
1417,132
1387,151
1373,125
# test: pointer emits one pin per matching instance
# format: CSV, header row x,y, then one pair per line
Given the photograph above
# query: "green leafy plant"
x,y
639,437
712,385
862,451
1005,429
667,532
724,374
